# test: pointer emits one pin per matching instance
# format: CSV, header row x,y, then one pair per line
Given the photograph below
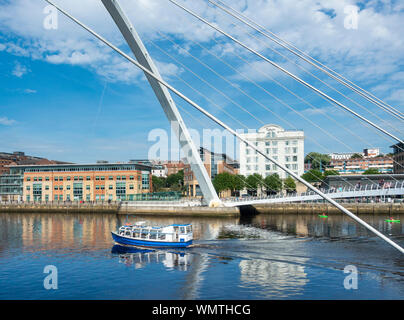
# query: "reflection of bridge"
x,y
369,191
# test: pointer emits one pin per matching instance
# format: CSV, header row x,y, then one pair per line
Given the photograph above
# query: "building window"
x,y
68,187
28,188
131,187
87,187
60,178
46,178
102,178
294,158
110,178
56,197
131,177
76,178
68,178
56,179
97,178
110,187
88,178
46,187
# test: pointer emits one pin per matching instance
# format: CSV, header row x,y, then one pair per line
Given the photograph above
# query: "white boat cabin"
x,y
172,233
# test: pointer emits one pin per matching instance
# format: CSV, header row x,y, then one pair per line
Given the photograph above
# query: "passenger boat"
x,y
139,234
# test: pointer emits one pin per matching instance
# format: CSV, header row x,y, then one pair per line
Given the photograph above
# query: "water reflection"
x,y
280,279
140,257
334,226
262,256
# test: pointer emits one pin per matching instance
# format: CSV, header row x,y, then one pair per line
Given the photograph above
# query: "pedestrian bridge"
x,y
367,191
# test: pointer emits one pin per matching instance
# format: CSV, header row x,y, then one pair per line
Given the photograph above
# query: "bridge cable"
x,y
287,72
370,97
254,100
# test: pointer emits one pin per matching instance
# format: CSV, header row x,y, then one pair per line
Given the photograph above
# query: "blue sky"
x,y
65,96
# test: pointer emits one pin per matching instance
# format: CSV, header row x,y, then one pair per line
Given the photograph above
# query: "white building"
x,y
284,146
343,155
159,170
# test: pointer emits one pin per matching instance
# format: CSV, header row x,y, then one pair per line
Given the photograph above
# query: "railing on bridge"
x,y
341,193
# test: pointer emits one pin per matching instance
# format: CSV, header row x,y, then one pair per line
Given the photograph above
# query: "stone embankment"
x,y
172,210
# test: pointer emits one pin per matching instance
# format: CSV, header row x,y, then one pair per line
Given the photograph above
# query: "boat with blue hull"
x,y
175,235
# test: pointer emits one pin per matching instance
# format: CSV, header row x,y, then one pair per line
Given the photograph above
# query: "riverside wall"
x,y
279,208
117,208
328,209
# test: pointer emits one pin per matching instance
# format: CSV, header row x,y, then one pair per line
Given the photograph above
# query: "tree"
x,y
290,185
356,156
175,181
331,173
253,182
273,183
371,171
159,183
313,176
317,160
223,181
238,183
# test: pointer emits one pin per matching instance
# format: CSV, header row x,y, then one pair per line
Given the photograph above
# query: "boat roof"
x,y
181,225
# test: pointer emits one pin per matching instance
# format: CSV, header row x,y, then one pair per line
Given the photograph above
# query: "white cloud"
x,y
30,91
6,121
19,70
369,54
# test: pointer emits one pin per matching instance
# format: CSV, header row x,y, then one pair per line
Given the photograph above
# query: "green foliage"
x,y
175,181
317,160
313,175
238,182
290,185
331,173
273,183
356,156
159,183
254,181
371,171
223,181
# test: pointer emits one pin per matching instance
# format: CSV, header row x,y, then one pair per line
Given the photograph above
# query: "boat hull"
x,y
147,243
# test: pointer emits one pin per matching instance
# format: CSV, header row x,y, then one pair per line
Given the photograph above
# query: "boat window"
x,y
162,236
153,235
127,233
189,229
144,233
137,234
182,229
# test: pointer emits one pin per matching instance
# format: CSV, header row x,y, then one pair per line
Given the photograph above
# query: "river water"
x,y
261,257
